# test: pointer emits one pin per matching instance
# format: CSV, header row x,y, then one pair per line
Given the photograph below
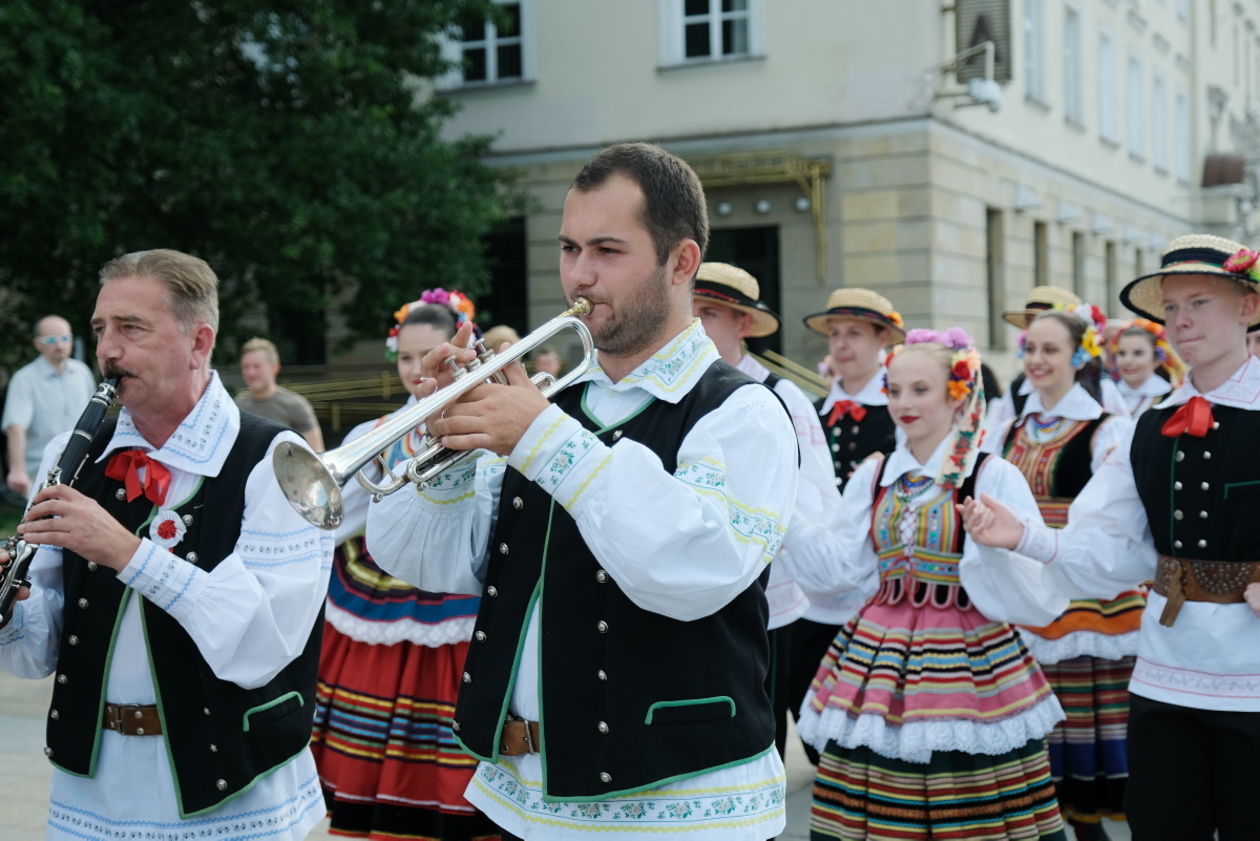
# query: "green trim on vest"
x,y
586,410
273,702
689,702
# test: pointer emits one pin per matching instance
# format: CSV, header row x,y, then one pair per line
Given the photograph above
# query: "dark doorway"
x,y
756,251
507,299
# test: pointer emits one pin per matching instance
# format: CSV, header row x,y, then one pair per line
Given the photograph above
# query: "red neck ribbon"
x,y
125,467
1193,418
846,407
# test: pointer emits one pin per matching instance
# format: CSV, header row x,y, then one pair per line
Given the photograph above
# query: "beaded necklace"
x,y
908,487
1050,426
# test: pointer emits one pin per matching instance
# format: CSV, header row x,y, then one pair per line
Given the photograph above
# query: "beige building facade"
x,y
842,143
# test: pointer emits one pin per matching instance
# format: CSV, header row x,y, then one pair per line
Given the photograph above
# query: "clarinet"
x,y
73,457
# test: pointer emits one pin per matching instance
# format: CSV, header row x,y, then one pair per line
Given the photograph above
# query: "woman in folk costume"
x,y
1148,368
929,710
1058,442
393,655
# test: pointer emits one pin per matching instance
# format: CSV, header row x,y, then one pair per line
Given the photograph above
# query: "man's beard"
x,y
638,320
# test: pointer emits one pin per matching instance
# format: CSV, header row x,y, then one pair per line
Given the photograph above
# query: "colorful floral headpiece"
x,y
965,383
895,318
1244,263
1164,354
1090,347
457,302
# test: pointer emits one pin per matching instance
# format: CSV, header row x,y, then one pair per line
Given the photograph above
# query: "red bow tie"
x,y
846,407
1193,418
125,467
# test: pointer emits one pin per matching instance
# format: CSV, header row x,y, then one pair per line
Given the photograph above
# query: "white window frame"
x,y
1034,50
453,50
1159,123
1108,89
672,37
1181,138
1137,108
1073,65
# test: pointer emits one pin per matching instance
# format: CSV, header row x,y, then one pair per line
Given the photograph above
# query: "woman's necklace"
x,y
907,487
1050,427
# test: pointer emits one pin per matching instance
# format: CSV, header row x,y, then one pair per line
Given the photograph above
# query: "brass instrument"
x,y
312,483
73,457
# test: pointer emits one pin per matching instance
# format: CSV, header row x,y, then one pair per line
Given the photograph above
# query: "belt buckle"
x,y
526,736
114,722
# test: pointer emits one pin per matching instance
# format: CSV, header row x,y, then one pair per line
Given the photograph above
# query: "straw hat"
x,y
1191,254
733,287
855,302
1040,299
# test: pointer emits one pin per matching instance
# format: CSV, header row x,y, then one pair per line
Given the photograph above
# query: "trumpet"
x,y
312,483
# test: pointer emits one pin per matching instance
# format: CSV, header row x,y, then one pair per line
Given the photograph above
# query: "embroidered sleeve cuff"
x,y
557,448
159,576
1040,542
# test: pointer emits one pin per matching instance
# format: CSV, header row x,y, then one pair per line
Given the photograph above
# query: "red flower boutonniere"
x,y
1243,262
167,528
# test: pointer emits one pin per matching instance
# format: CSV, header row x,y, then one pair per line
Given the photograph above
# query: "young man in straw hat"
x,y
726,299
1178,508
1011,404
859,324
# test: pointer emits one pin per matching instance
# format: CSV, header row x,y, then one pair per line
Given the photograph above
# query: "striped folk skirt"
x,y
1088,751
862,796
382,740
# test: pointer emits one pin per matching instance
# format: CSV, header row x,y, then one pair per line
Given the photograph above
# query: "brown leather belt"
x,y
133,719
1222,582
519,737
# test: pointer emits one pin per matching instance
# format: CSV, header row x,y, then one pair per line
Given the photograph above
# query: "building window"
x,y
1137,122
1041,254
1078,263
1181,150
995,275
1034,76
1159,124
1108,98
695,31
1073,103
1109,279
490,50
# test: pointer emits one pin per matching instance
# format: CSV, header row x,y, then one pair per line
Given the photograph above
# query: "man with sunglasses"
x,y
44,399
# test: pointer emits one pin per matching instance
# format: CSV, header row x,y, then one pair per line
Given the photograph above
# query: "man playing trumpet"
x,y
620,538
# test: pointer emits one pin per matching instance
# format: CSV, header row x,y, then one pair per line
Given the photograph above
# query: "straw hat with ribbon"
x,y
1040,299
733,287
855,302
1193,254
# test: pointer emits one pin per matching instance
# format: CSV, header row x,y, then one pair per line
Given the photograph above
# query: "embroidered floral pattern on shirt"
x,y
562,463
749,524
674,811
266,549
674,367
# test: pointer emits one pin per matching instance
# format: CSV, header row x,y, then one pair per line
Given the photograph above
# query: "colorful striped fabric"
x,y
1088,751
862,796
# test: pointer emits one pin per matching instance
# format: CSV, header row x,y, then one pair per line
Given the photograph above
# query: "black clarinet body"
x,y
64,472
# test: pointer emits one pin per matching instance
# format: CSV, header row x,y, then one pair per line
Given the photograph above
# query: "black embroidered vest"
x,y
1067,466
629,698
1200,494
219,737
851,441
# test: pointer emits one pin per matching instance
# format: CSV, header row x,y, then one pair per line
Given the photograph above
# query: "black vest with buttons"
x,y
1200,494
219,737
1074,465
851,441
629,698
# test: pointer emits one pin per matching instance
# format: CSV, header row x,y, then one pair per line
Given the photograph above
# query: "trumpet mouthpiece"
x,y
581,306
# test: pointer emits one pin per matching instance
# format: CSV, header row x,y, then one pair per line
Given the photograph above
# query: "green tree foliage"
x,y
289,144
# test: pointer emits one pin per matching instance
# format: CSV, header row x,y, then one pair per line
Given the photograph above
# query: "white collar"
x,y
872,394
1075,405
1241,390
1152,386
202,441
901,461
46,369
671,372
753,368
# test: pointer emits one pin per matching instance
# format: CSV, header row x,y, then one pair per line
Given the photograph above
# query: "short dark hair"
x,y
674,208
436,316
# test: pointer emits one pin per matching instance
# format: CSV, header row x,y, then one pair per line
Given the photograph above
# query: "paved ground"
x,y
24,772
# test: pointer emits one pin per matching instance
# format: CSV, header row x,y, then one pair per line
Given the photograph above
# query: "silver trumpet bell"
x,y
312,483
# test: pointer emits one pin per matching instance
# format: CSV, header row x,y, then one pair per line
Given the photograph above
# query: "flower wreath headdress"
x,y
1164,354
1090,347
457,302
964,383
